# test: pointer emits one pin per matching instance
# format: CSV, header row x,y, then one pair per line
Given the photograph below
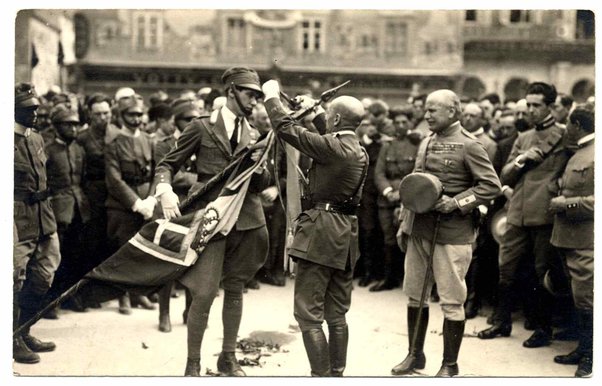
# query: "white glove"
x,y
169,204
305,102
271,89
142,207
149,205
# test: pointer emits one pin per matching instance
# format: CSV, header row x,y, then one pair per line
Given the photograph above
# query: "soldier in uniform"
x,y
65,167
473,118
129,166
99,133
535,163
236,257
183,112
573,233
36,254
43,124
460,162
395,161
326,239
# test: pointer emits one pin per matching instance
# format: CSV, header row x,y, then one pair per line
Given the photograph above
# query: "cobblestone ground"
x,y
102,342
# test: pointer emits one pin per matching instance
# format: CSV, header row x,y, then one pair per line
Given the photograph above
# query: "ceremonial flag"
x,y
163,249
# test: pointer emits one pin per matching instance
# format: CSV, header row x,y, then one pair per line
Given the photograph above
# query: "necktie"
x,y
234,137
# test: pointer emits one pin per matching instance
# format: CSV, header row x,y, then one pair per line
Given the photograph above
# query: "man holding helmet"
x,y
461,164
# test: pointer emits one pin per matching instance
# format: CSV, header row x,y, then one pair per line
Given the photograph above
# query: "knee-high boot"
x,y
453,332
338,338
415,358
164,300
317,351
21,353
586,336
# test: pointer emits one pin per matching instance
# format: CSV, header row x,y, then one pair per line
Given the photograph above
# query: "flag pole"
x,y
64,296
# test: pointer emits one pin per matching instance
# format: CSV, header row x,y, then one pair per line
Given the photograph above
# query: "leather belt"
x,y
336,208
31,198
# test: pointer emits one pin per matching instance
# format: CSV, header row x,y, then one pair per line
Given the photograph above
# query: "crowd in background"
x,y
84,176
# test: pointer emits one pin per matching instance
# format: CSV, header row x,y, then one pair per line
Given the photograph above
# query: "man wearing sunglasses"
x,y
236,257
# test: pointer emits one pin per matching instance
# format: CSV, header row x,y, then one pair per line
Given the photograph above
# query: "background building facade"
x,y
390,54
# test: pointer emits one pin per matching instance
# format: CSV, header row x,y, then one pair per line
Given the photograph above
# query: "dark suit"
x,y
326,242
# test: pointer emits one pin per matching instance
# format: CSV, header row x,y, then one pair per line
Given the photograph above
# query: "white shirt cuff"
x,y
387,190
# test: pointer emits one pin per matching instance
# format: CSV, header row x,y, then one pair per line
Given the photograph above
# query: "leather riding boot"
x,y
317,351
142,301
164,297
415,358
193,368
390,281
502,316
228,365
586,335
453,332
338,337
125,307
21,353
37,345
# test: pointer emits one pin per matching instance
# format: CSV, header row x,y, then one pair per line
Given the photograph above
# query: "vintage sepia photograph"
x,y
238,190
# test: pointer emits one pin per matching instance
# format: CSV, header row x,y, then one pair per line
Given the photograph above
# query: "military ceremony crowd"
x,y
495,211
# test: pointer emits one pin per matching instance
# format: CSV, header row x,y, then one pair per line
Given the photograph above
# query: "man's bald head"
x,y
442,109
345,113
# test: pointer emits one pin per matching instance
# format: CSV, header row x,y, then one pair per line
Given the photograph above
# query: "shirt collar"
x,y
584,140
548,121
128,133
58,140
22,130
227,114
344,132
478,132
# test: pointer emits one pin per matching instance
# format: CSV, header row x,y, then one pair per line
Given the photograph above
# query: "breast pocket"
x,y
210,153
580,176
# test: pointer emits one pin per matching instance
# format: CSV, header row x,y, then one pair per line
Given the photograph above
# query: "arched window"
x,y
473,87
582,90
515,89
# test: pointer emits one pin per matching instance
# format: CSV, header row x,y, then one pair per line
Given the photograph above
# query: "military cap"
x,y
60,113
124,92
44,109
133,103
184,107
242,77
26,96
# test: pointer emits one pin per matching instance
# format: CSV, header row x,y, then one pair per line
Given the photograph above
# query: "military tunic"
x,y
395,161
573,230
128,167
529,221
325,241
36,244
65,168
460,162
236,258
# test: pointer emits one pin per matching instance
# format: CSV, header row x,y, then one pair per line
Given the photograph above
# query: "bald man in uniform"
x,y
326,240
462,165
